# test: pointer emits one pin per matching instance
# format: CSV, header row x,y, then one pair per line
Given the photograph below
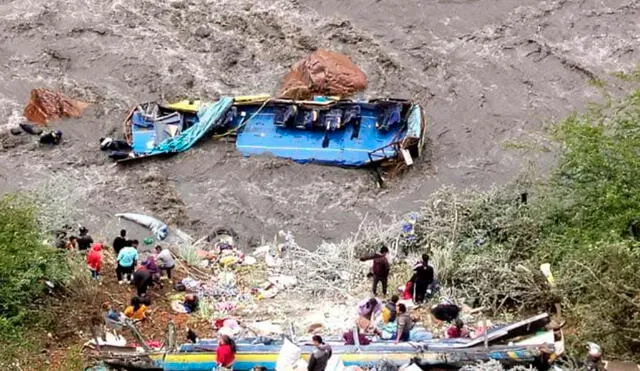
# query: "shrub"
x,y
25,266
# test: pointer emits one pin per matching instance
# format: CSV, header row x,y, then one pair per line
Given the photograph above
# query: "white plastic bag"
x,y
289,355
335,364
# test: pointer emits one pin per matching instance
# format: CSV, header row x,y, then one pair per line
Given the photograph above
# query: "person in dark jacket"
x,y
110,144
320,355
381,269
52,137
84,240
142,279
422,279
120,241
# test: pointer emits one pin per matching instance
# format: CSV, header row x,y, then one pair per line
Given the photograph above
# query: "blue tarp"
x,y
208,116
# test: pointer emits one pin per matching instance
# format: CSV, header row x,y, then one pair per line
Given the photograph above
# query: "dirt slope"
x,y
487,73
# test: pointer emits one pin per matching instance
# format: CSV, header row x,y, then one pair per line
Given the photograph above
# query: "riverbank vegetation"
x,y
583,219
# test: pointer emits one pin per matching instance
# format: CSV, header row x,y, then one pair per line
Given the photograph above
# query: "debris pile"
x,y
323,72
45,105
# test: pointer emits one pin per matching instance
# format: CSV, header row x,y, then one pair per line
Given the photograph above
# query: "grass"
x,y
632,76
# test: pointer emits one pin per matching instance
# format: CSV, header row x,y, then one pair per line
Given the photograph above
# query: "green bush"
x,y
26,263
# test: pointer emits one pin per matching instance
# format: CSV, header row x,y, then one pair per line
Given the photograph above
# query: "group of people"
x,y
419,286
142,276
390,320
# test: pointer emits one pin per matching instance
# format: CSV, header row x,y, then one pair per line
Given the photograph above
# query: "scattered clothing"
x,y
94,260
133,313
52,137
349,340
454,332
319,358
389,331
192,336
190,303
445,312
110,144
407,294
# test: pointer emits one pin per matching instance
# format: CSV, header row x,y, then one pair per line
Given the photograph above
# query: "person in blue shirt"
x,y
127,259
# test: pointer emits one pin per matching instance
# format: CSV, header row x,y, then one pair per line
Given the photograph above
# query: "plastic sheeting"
x,y
208,117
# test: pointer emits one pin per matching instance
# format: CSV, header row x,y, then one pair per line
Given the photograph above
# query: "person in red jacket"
x,y
225,353
94,260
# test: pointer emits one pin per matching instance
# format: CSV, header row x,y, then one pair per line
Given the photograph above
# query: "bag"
x,y
288,356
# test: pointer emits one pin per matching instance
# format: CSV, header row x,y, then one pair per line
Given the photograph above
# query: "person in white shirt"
x,y
165,261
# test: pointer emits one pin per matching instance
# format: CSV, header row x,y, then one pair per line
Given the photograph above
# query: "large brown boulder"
x,y
46,105
323,73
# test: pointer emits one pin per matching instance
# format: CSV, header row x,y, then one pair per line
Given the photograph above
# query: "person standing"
x,y
380,270
127,259
84,240
422,279
165,261
120,242
94,260
320,355
225,353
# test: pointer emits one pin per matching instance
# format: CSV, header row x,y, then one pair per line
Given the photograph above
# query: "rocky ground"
x,y
490,75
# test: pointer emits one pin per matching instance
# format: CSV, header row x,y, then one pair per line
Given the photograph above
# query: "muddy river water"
x,y
490,75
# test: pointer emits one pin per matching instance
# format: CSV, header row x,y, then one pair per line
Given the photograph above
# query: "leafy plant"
x,y
26,264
